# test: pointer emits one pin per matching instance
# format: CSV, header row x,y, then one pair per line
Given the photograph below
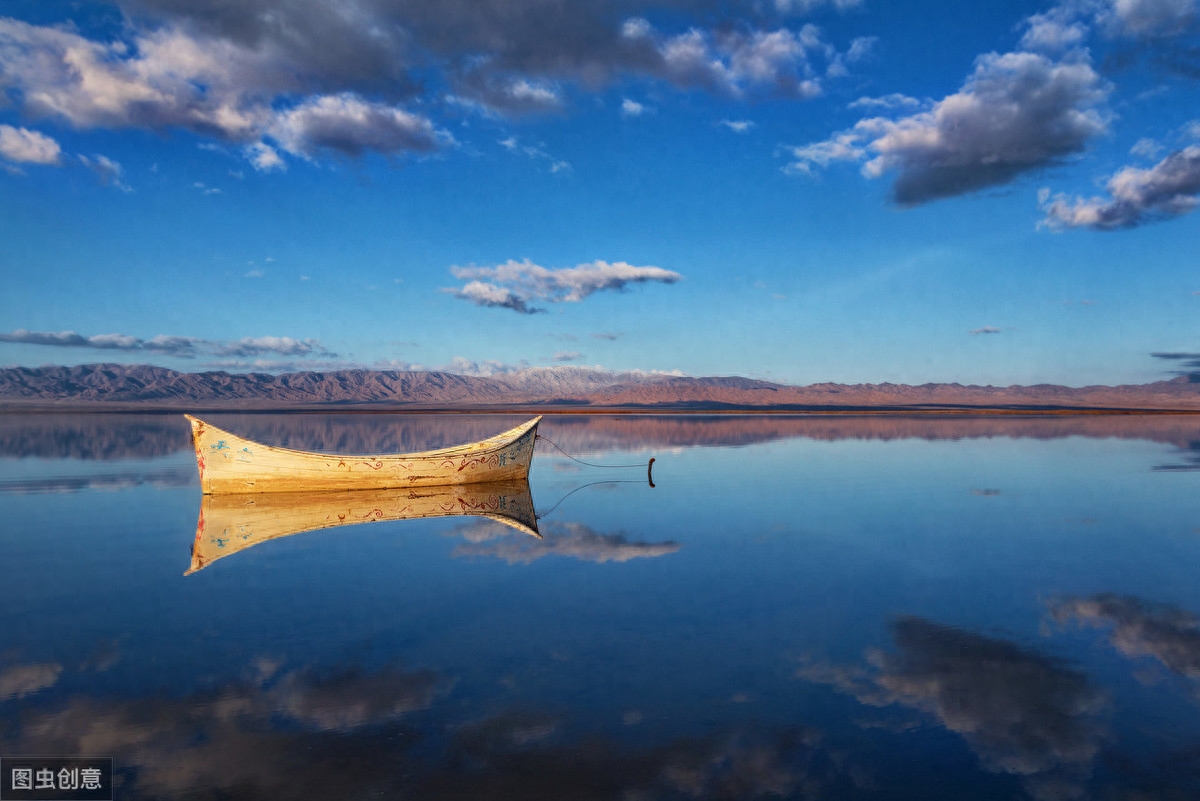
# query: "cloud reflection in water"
x,y
1139,628
1020,712
309,734
574,540
351,734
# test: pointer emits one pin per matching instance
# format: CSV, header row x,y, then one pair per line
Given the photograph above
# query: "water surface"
x,y
833,607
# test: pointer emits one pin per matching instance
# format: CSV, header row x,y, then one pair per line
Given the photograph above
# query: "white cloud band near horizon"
x,y
177,346
253,354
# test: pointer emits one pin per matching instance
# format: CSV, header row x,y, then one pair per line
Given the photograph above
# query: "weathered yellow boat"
x,y
232,523
230,464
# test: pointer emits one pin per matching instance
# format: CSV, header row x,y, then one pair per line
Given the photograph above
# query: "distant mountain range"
x,y
115,386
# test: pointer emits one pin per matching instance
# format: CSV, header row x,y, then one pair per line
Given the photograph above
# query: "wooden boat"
x,y
232,523
228,464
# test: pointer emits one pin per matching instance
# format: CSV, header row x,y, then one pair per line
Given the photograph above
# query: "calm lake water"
x,y
857,608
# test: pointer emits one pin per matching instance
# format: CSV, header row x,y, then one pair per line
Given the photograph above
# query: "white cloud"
x,y
861,48
177,346
485,369
1017,113
636,28
489,94
174,77
280,365
537,153
70,339
1146,148
22,145
537,94
735,62
350,125
1147,18
890,102
257,346
1136,196
516,284
1053,32
264,157
632,108
114,341
482,294
806,6
162,79
738,126
845,146
1068,24
108,171
307,77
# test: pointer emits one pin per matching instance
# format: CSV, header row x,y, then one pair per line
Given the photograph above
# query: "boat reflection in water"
x,y
232,523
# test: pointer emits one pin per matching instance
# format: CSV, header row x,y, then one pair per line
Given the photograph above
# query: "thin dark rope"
x,y
585,486
589,464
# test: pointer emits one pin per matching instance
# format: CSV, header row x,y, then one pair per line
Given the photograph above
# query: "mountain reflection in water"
x,y
141,436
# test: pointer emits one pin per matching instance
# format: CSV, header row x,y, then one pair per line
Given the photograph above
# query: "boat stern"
x,y
198,429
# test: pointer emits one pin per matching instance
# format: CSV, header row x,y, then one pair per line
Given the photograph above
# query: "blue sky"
x,y
797,190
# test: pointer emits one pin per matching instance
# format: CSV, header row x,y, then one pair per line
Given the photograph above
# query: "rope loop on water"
x,y
577,489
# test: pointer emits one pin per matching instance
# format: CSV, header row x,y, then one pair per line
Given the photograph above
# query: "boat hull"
x,y
232,464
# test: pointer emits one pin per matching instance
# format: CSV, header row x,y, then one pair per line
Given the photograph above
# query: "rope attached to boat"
x,y
581,461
